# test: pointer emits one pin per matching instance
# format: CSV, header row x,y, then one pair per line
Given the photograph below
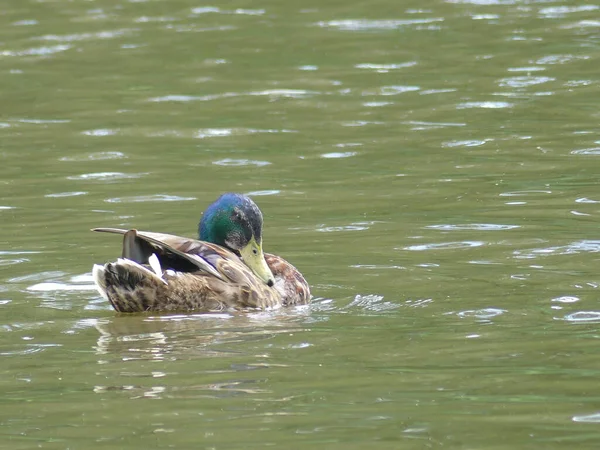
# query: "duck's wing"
x,y
174,252
164,272
289,282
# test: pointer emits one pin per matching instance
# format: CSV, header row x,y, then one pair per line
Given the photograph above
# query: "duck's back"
x,y
185,275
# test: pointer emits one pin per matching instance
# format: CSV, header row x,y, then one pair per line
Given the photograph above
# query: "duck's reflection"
x,y
196,354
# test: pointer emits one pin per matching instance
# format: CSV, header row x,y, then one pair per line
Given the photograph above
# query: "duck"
x,y
224,269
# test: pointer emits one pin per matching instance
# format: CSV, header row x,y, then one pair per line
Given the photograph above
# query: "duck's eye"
x,y
255,251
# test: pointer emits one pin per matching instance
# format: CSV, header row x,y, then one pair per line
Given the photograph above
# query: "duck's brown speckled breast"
x,y
289,282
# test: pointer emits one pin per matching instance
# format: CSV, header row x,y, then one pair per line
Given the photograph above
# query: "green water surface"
x,y
432,167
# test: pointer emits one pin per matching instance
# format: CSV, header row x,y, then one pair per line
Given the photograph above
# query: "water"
x,y
430,167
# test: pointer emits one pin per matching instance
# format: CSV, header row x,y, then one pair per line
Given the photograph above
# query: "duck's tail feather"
x,y
98,274
129,286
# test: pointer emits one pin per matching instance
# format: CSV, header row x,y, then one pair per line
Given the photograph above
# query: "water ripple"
x,y
421,125
42,121
240,162
55,286
485,313
21,23
368,25
28,350
526,69
559,59
586,200
376,104
587,151
212,132
524,193
197,29
106,176
85,36
157,19
584,24
523,81
566,299
437,91
40,276
357,226
213,9
384,68
485,2
36,51
83,278
473,226
443,246
560,11
589,418
484,105
583,317
574,248
98,156
291,93
467,143
100,132
13,261
577,83
149,198
485,16
66,194
273,93
377,267
186,98
206,10
261,193
395,90
371,302
335,155
361,123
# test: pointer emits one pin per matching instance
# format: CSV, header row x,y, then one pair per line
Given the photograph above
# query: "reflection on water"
x,y
429,167
150,334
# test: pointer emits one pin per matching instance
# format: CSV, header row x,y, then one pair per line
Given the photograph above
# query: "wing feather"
x,y
202,255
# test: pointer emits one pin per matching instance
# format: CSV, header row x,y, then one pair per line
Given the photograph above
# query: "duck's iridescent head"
x,y
235,222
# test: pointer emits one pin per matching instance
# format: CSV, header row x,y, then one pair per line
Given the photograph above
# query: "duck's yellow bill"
x,y
254,258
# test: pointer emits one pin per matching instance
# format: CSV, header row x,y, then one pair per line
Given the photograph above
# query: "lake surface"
x,y
431,167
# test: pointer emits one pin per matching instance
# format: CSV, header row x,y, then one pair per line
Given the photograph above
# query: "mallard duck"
x,y
225,269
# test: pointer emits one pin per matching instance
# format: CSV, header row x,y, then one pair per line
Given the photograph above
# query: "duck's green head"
x,y
235,222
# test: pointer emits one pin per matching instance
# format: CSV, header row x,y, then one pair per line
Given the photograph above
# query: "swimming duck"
x,y
225,269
